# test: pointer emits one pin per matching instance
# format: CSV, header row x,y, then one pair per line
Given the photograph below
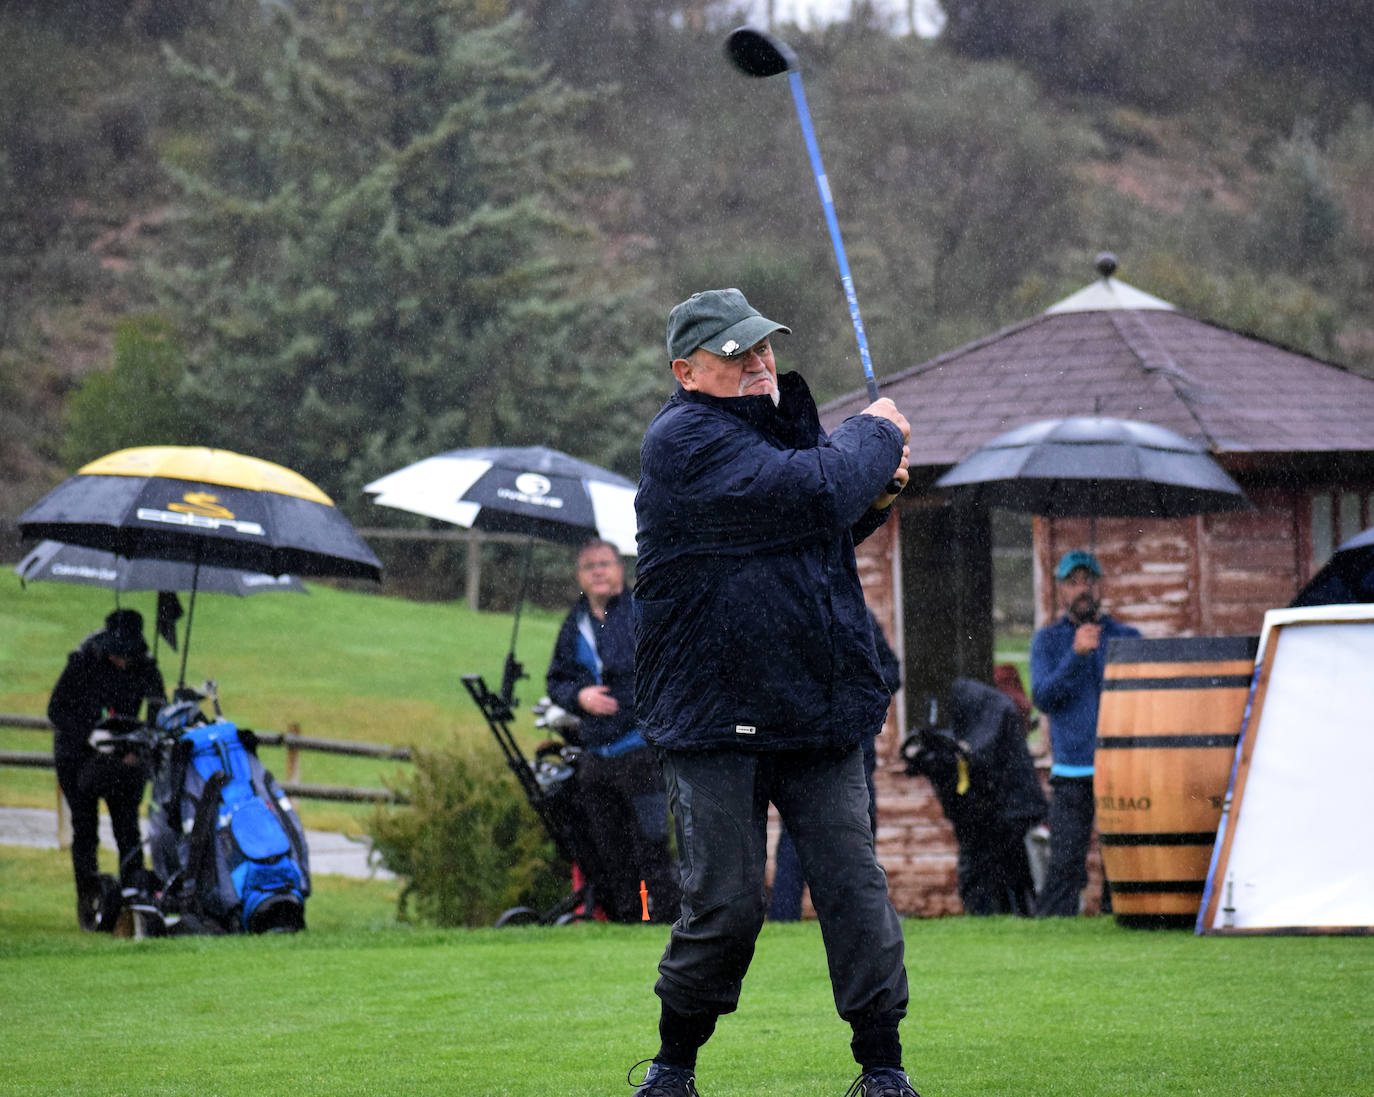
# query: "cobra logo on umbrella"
x,y
200,510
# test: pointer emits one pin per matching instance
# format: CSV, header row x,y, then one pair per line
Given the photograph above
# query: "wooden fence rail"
x,y
292,740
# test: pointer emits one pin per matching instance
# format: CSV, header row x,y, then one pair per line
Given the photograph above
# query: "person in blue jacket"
x,y
592,676
757,678
1067,661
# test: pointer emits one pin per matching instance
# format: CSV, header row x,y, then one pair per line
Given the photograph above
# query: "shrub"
x,y
134,403
467,843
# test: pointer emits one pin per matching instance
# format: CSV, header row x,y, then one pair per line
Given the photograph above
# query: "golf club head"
x,y
756,53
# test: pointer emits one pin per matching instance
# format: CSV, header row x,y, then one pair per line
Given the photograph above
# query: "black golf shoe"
x,y
662,1080
88,903
882,1082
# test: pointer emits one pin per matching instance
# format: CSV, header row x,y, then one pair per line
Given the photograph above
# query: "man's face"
x,y
752,372
1078,592
600,573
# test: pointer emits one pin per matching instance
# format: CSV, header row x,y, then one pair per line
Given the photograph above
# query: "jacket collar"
x,y
794,422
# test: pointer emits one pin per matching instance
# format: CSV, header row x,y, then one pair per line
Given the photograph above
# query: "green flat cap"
x,y
720,320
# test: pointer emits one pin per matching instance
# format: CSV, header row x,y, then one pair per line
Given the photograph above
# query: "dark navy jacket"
x,y
90,686
569,669
751,628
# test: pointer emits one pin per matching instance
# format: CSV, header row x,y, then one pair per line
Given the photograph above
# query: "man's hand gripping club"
x,y
884,408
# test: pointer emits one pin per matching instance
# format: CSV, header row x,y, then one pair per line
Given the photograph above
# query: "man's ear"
x,y
685,372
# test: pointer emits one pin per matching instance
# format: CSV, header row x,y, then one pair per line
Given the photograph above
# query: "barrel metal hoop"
x,y
1168,838
1164,742
1195,681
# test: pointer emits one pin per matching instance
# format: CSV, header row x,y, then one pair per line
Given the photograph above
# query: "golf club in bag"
x,y
228,849
549,783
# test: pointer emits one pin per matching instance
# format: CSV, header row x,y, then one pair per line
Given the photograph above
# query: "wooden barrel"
x,y
1167,728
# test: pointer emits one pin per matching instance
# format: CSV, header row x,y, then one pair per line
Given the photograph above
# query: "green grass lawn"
x,y
340,664
358,1005
363,1005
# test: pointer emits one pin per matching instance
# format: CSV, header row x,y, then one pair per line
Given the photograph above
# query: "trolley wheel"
x,y
518,916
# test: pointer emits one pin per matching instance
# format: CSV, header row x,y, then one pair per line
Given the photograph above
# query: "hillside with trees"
x,y
343,237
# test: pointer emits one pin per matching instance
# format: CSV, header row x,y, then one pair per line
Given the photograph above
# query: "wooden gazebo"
x,y
1296,432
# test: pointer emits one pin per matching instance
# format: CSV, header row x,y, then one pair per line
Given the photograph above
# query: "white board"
x,y
1295,847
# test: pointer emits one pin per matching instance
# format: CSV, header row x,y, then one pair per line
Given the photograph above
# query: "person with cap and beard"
x,y
110,674
1067,661
757,677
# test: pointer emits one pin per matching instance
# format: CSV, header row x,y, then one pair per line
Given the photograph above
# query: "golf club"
x,y
756,53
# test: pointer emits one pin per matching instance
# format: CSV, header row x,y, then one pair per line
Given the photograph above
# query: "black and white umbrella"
x,y
532,490
529,490
1094,467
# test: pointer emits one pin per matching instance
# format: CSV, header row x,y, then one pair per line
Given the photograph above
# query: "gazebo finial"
x,y
1106,264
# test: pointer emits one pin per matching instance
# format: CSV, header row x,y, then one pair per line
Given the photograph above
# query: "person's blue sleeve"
x,y
1058,676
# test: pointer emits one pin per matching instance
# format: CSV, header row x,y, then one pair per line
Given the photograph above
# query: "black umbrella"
x,y
1347,578
53,561
531,490
202,507
1094,467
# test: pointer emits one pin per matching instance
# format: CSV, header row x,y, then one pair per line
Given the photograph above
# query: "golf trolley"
x,y
549,783
227,848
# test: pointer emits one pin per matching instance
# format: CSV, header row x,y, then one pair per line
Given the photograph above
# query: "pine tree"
x,y
383,253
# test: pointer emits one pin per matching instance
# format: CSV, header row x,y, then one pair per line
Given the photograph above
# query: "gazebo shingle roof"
x,y
1115,351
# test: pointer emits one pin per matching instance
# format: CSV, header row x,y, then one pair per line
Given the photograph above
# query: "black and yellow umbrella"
x,y
202,506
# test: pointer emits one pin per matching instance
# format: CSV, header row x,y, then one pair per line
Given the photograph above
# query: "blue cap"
x,y
1077,559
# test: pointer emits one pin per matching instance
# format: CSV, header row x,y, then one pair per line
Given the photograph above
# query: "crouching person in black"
x,y
592,675
971,745
110,674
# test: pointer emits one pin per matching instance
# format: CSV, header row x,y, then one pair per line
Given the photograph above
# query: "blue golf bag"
x,y
223,833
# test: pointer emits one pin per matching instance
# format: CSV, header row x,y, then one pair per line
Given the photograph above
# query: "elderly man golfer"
x,y
757,677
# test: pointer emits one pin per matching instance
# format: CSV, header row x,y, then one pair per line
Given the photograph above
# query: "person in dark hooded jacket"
x,y
757,678
110,674
592,676
971,746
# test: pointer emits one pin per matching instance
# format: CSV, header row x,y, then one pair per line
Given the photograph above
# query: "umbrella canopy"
x,y
528,489
1095,467
202,506
53,561
1347,578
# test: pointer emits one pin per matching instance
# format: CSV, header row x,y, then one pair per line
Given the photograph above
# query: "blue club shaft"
x,y
837,242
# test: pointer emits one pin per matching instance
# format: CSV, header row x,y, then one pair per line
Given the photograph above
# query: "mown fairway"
x,y
360,1006
342,665
363,1005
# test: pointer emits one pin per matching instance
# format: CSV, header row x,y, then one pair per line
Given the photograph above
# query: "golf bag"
x,y
224,836
550,785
